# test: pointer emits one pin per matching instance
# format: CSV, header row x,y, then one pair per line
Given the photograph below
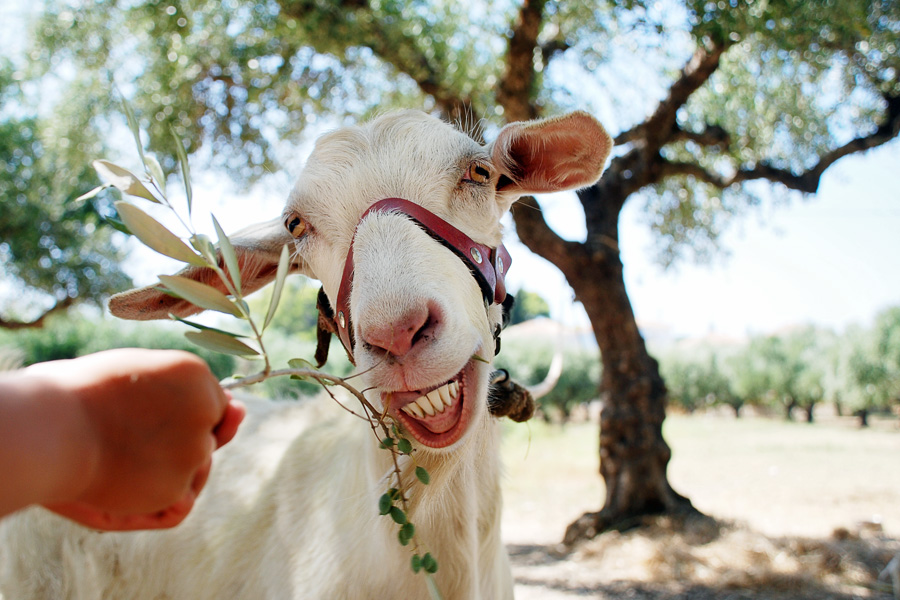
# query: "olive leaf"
x,y
155,236
205,327
92,193
422,475
155,170
185,168
200,294
281,274
122,179
230,258
219,342
133,126
204,246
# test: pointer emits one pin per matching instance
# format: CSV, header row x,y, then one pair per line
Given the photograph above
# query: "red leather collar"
x,y
488,265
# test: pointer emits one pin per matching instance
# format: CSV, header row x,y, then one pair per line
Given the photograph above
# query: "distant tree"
x,y
874,366
786,371
528,305
709,98
696,383
54,252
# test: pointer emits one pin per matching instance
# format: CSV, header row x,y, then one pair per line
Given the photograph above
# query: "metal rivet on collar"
x,y
341,319
476,254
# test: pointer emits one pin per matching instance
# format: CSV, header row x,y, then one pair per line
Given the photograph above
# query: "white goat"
x,y
291,509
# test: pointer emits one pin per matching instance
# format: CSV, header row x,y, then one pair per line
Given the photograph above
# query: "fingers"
x,y
227,427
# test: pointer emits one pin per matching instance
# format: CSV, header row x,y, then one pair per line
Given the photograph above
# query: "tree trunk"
x,y
809,409
633,454
736,406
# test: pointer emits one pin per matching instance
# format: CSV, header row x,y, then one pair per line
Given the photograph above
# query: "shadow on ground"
x,y
706,560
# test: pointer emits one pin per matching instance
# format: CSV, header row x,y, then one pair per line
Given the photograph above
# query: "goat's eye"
x,y
295,224
478,172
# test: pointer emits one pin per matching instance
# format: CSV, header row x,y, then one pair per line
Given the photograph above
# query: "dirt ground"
x,y
798,512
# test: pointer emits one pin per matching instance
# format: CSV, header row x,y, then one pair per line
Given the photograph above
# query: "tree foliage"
x,y
528,305
54,250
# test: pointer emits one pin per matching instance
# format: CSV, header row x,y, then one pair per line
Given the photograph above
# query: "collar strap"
x,y
488,265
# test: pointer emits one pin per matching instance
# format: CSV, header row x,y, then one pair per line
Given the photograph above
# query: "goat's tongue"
x,y
440,423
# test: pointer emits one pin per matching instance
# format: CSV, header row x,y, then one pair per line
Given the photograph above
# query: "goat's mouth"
x,y
436,417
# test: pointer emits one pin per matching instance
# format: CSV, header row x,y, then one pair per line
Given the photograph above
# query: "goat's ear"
x,y
258,249
550,155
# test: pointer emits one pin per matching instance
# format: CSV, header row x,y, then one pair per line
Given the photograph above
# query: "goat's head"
x,y
417,321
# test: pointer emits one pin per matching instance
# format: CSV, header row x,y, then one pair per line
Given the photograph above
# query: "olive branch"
x,y
199,250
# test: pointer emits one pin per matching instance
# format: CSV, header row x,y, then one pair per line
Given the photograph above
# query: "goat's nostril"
x,y
399,336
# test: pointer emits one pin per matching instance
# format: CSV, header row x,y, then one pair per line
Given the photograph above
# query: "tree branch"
x,y
660,128
534,232
516,90
38,322
807,181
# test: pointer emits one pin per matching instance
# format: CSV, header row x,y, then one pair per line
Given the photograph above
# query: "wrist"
x,y
47,443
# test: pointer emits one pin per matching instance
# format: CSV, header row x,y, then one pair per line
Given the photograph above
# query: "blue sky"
x,y
832,259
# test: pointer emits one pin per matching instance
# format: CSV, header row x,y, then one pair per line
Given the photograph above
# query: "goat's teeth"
x,y
445,395
454,389
425,405
434,397
413,410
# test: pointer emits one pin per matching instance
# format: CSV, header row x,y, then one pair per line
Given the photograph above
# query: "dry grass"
x,y
802,512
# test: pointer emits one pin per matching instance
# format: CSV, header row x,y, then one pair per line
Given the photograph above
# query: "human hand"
x,y
151,421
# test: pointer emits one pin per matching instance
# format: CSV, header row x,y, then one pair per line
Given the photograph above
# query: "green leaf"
x,y
202,244
155,170
398,515
185,168
230,258
200,294
117,225
154,235
218,342
283,269
422,475
384,504
429,563
404,446
122,179
133,126
406,533
301,363
416,563
205,328
387,442
480,359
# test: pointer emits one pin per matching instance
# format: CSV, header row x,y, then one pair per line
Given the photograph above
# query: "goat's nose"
x,y
398,336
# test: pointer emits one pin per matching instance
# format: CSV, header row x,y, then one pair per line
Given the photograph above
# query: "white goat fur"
x,y
290,510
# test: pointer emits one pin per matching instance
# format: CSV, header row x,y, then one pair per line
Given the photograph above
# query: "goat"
x,y
291,509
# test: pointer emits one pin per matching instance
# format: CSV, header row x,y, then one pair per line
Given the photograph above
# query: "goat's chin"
x,y
442,426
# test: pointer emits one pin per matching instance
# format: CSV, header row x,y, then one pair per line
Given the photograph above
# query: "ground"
x,y
798,512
